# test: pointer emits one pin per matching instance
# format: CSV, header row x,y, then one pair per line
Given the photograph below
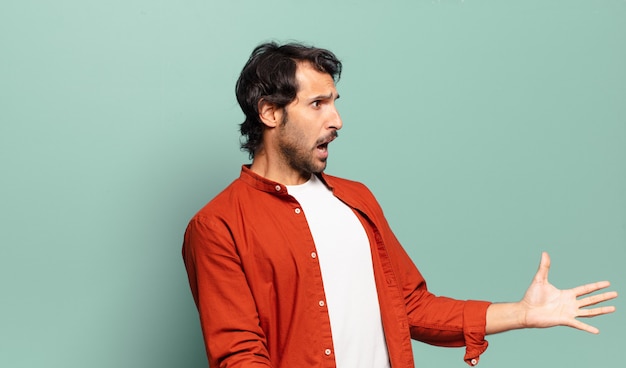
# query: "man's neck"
x,y
277,171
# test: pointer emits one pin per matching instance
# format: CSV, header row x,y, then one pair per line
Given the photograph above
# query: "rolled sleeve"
x,y
474,323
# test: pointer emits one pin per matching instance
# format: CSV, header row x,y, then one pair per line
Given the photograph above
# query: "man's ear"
x,y
270,114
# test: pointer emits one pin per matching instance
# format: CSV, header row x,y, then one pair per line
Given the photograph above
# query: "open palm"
x,y
547,306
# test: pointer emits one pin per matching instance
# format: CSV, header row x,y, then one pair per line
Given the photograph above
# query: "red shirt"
x,y
255,278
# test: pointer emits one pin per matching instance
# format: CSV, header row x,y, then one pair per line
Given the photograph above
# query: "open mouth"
x,y
323,146
323,143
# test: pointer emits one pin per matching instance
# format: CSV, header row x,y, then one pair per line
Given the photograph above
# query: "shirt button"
x,y
297,211
313,255
321,303
277,188
327,351
474,362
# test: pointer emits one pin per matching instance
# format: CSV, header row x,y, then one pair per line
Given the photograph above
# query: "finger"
x,y
585,313
590,288
595,299
544,268
584,327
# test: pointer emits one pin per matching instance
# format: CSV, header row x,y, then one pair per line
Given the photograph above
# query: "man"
x,y
291,267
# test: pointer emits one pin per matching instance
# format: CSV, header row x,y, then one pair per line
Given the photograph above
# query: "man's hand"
x,y
544,305
547,306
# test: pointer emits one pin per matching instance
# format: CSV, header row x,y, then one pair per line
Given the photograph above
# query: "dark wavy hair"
x,y
270,75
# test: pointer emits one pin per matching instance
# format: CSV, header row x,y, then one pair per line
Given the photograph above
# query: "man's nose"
x,y
335,120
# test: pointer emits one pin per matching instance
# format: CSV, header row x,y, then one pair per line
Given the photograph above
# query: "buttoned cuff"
x,y
474,324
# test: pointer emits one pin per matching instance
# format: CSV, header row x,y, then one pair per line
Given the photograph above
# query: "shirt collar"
x,y
257,181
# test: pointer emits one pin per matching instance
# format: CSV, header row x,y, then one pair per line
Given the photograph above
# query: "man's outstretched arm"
x,y
544,305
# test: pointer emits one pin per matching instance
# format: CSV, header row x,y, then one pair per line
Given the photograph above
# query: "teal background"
x,y
489,131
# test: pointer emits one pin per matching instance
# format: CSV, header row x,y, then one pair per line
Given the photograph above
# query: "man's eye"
x,y
317,103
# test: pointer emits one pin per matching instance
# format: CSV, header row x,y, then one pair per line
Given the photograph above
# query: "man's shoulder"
x,y
351,191
223,203
343,183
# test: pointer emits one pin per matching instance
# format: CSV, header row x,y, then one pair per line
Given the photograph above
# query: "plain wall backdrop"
x,y
489,131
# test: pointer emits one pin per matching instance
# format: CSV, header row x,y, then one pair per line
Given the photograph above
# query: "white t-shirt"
x,y
346,263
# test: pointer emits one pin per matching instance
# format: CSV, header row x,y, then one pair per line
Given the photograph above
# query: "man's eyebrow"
x,y
324,97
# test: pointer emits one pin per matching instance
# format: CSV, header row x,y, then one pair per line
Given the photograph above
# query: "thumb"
x,y
544,268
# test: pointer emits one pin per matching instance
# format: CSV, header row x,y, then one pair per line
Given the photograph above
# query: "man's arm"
x,y
228,316
544,305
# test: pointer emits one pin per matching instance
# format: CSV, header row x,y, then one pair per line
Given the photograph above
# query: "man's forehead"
x,y
312,81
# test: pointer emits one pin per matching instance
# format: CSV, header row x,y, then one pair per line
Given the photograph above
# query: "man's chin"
x,y
321,167
311,167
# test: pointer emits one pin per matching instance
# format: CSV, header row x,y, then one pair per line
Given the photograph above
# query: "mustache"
x,y
329,138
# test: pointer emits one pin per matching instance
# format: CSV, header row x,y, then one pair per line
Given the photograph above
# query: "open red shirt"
x,y
255,278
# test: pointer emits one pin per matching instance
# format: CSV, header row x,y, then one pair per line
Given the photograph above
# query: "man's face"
x,y
309,122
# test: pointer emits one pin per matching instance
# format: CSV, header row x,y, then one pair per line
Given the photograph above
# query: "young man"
x,y
291,267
